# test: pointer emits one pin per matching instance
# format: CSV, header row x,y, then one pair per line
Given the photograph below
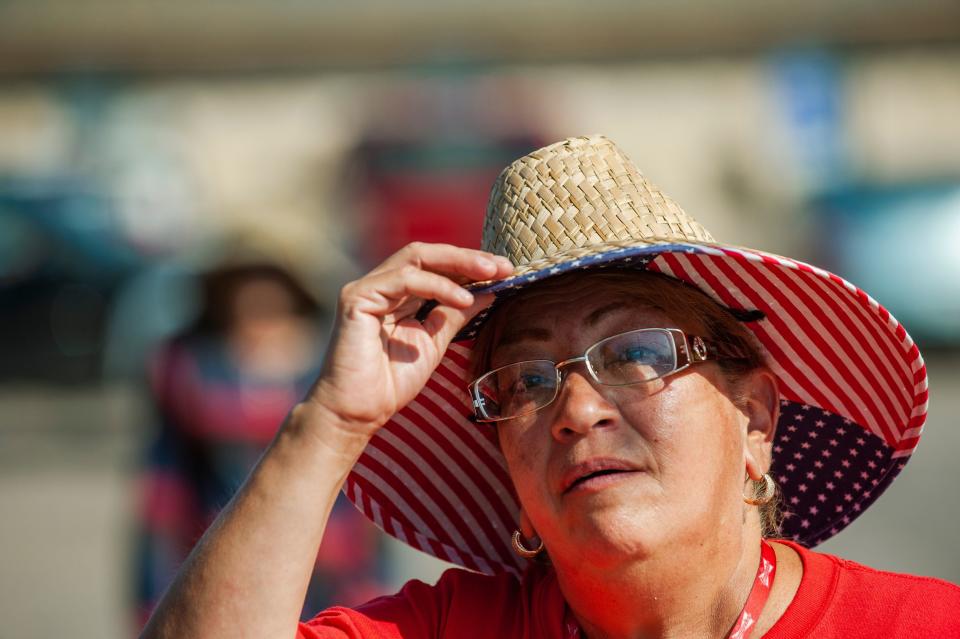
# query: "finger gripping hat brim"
x,y
853,384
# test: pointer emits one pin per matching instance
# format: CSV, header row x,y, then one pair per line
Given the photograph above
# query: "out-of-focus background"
x,y
185,185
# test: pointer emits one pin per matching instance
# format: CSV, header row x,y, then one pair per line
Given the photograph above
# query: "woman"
x,y
638,389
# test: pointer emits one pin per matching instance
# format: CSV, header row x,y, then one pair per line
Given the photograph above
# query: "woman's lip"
x,y
599,482
574,475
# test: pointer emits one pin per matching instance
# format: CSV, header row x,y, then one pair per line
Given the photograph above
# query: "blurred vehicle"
x,y
62,259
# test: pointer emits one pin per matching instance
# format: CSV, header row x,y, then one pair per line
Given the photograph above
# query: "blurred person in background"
x,y
221,388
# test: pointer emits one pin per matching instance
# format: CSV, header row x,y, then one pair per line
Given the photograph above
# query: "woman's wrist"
x,y
324,433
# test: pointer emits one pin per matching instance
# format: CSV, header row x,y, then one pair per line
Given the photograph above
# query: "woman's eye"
x,y
523,383
529,382
634,354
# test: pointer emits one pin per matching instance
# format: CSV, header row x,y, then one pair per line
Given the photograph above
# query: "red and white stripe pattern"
x,y
831,344
437,481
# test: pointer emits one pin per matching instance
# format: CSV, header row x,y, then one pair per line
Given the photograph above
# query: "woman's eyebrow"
x,y
593,318
523,334
536,334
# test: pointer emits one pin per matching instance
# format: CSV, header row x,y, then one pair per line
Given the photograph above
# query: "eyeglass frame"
x,y
693,348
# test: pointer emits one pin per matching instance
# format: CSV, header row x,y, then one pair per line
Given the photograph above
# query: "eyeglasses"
x,y
634,357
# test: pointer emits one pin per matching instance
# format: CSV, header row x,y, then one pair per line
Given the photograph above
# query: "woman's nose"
x,y
581,407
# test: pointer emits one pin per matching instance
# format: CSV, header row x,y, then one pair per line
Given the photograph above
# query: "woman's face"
x,y
680,443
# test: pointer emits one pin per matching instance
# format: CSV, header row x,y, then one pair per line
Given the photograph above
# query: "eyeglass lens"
x,y
524,387
630,358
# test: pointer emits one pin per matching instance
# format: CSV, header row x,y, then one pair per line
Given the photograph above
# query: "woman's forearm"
x,y
248,575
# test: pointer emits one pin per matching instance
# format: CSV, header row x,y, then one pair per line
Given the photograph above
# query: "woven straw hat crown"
x,y
568,197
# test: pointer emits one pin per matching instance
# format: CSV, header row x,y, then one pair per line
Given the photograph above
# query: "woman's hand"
x,y
380,356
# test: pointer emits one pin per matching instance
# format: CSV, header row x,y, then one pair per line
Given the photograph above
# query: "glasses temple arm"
x,y
702,349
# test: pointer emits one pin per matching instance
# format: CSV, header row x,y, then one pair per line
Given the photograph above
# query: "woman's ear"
x,y
761,407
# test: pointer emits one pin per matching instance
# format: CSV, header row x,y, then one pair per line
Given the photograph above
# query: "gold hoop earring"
x,y
769,490
522,550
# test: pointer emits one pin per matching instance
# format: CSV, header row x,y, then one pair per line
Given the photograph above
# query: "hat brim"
x,y
853,402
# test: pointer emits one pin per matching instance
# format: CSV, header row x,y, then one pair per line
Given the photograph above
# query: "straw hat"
x,y
853,384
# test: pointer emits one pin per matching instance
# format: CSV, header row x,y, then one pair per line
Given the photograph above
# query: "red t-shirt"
x,y
836,598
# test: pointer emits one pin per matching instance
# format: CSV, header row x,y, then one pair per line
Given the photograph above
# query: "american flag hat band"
x,y
853,384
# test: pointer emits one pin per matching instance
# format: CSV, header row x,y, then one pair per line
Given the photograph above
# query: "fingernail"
x,y
465,296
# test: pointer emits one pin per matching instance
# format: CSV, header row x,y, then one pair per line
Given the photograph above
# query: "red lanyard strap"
x,y
747,619
766,571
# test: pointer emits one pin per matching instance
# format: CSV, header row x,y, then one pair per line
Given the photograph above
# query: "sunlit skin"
x,y
670,545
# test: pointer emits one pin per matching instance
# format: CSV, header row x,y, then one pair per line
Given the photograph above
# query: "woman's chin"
x,y
631,504
614,532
